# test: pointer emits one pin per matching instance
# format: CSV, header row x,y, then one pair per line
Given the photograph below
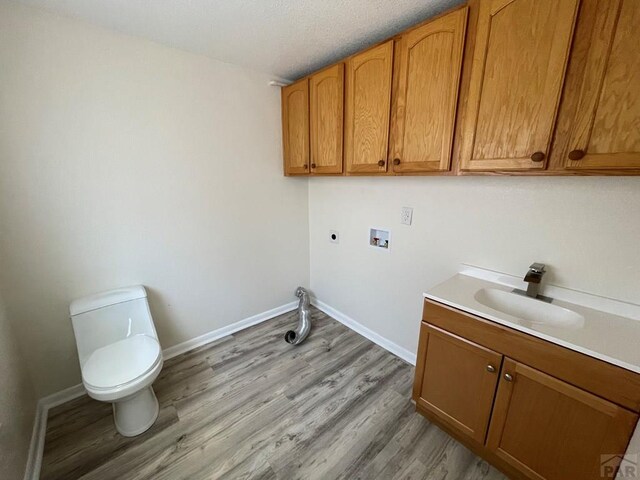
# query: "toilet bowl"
x,y
119,354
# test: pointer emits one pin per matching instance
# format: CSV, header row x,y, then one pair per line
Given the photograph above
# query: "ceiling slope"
x,y
286,38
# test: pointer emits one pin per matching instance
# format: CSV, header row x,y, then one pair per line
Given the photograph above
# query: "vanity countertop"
x,y
608,329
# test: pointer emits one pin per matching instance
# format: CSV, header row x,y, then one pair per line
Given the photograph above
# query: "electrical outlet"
x,y
334,236
406,215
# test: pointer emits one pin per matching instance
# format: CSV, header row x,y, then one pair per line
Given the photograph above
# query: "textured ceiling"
x,y
286,38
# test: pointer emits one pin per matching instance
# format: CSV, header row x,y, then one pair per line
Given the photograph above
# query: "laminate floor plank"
x,y
481,470
247,387
327,408
74,416
415,470
250,406
215,453
338,448
377,454
96,444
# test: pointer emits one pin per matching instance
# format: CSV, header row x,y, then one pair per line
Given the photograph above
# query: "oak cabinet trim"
x,y
384,53
332,73
453,23
591,18
602,42
620,426
555,74
500,411
286,92
593,80
477,413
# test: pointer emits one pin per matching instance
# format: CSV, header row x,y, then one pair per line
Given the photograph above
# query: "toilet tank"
x,y
104,318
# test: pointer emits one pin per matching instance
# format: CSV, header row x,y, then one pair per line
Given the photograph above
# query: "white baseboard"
x,y
376,338
36,447
228,330
63,396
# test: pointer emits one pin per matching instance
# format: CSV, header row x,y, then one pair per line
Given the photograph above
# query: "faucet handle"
x,y
537,267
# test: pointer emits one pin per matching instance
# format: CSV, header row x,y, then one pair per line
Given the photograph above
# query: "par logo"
x,y
628,466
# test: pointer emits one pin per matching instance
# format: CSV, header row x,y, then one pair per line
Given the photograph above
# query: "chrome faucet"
x,y
533,278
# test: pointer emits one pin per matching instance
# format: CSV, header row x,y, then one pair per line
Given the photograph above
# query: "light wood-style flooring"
x,y
251,406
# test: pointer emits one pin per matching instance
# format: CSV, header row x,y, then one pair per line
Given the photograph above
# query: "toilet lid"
x,y
121,362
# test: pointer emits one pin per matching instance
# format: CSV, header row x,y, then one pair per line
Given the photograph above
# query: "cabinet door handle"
x,y
313,165
508,377
491,368
396,161
538,157
306,166
381,163
577,154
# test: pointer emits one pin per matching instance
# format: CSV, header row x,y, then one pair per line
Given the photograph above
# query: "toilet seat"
x,y
121,365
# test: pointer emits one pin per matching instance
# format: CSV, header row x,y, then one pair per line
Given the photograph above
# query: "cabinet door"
x,y
456,380
606,127
327,102
552,430
426,80
517,73
368,104
295,128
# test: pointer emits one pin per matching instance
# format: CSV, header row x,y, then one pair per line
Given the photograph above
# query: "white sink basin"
x,y
536,312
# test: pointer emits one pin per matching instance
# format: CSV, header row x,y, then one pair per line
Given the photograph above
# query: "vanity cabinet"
x,y
367,109
426,83
326,99
534,409
295,128
458,380
517,72
549,429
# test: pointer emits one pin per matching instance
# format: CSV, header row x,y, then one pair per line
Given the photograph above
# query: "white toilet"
x,y
120,355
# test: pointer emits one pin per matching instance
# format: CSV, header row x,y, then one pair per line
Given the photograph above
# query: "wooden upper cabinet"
x,y
295,128
517,72
367,109
605,132
426,79
456,380
551,430
327,118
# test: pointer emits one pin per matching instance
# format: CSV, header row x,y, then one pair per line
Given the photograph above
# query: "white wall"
x,y
124,162
587,230
17,404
